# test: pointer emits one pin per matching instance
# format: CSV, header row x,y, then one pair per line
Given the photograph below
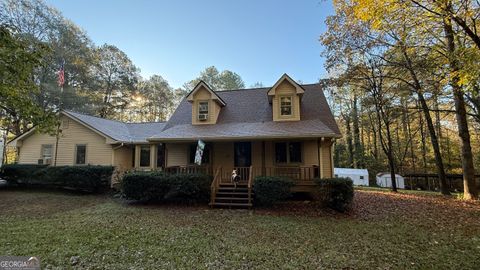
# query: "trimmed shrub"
x,y
336,193
20,174
189,187
271,189
82,178
145,186
161,187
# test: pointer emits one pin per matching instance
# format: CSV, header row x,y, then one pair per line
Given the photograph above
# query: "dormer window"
x,y
203,110
286,106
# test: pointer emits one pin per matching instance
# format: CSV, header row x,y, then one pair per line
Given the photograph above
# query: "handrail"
x,y
214,185
250,180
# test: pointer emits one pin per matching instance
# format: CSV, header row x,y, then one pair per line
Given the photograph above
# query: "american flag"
x,y
61,75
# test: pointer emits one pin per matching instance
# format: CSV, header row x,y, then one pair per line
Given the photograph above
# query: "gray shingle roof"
x,y
248,114
119,131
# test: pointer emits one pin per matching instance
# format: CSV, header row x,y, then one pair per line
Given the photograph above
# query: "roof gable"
x,y
202,85
298,88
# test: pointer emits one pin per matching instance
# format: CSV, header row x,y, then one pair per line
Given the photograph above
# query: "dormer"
x,y
206,104
285,97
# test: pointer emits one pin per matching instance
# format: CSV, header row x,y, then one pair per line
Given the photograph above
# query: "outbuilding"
x,y
385,180
358,176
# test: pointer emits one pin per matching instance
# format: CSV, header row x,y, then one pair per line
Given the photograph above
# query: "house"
x,y
358,176
284,130
385,180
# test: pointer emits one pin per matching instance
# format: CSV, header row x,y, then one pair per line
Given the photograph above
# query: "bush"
x,y
161,187
336,193
19,174
271,189
82,178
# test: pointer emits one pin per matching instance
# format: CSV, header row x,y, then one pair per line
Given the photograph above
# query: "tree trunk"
x,y
358,148
469,187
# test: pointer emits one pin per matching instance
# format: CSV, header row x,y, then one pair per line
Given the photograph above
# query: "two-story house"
x,y
286,130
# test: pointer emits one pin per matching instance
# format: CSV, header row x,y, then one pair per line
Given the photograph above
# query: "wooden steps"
x,y
229,196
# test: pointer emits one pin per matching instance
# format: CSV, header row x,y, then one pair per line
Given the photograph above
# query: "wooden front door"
x,y
242,158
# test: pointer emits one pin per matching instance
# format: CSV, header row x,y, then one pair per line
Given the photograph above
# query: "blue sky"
x,y
258,39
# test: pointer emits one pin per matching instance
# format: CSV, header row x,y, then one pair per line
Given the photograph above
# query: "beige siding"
x,y
327,159
213,108
223,155
310,153
30,150
285,89
98,152
123,158
177,154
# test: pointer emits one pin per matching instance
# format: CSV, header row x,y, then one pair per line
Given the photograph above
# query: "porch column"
x,y
320,161
264,170
153,156
136,154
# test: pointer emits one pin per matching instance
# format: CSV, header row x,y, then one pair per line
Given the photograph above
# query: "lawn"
x,y
383,231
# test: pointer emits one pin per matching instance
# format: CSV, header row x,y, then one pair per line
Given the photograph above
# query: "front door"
x,y
242,158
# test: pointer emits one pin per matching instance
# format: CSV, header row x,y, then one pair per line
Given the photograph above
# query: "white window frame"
x,y
200,111
42,151
281,106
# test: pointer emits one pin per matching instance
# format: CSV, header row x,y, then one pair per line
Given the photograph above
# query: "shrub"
x,y
160,187
146,186
20,174
189,188
336,193
271,189
82,178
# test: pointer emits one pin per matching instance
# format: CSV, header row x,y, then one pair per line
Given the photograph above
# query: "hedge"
x,y
269,190
82,178
336,193
161,187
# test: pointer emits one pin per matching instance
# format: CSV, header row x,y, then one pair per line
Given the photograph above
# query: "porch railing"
x,y
189,169
215,185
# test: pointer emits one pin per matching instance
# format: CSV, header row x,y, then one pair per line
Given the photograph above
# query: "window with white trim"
x,y
286,108
46,153
202,110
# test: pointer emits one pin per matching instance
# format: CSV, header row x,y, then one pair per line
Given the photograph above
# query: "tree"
x,y
18,60
155,99
115,77
225,80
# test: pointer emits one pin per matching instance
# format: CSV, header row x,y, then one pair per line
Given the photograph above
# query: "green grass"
x,y
107,234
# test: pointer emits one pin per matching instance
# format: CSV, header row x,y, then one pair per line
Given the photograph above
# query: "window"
x,y
46,153
160,155
285,106
145,156
202,110
361,177
205,156
288,152
80,154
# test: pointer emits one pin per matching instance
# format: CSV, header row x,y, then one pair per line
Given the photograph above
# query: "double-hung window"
x,y
203,110
286,106
80,154
46,153
145,156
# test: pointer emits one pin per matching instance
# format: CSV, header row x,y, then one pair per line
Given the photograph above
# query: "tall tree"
x,y
115,78
225,80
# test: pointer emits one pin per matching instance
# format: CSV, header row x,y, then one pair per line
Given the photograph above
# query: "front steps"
x,y
228,196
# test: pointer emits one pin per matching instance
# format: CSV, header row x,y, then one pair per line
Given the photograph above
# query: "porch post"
x,y
263,159
137,156
153,156
320,163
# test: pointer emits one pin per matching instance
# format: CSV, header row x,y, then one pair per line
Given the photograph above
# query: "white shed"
x,y
358,176
385,180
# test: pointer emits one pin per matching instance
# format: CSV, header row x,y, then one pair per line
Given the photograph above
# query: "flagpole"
x,y
61,81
